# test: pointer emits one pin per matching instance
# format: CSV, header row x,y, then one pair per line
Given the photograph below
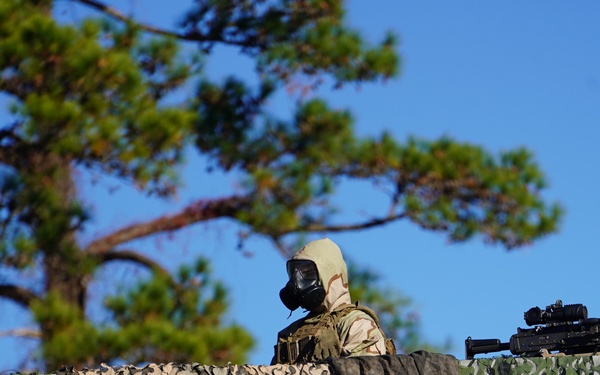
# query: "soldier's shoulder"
x,y
353,316
356,311
356,314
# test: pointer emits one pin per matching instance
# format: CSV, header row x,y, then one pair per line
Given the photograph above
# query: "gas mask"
x,y
304,287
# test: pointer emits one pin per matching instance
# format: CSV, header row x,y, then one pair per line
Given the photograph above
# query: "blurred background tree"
x,y
101,95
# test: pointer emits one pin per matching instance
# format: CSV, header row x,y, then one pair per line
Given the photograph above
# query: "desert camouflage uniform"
x,y
357,333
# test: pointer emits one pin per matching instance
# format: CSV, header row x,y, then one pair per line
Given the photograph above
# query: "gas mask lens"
x,y
303,273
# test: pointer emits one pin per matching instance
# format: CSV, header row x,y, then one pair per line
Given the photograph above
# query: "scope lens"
x,y
533,316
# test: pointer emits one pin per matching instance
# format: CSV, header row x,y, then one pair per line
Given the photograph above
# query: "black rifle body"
x,y
572,338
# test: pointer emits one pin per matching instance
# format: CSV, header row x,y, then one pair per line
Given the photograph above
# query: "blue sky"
x,y
498,74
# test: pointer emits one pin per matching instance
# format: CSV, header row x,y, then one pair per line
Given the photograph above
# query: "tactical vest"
x,y
315,338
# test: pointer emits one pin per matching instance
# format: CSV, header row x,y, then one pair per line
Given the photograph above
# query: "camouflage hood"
x,y
332,270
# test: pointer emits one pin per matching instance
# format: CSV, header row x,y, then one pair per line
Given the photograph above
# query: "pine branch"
x,y
191,36
320,227
17,294
138,258
121,17
200,211
22,332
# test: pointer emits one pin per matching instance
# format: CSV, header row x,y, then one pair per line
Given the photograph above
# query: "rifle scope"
x,y
556,313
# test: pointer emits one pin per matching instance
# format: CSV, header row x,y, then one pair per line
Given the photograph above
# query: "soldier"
x,y
334,326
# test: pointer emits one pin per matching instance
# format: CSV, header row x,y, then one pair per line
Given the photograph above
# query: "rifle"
x,y
566,330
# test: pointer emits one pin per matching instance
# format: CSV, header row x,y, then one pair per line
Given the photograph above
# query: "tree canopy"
x,y
101,95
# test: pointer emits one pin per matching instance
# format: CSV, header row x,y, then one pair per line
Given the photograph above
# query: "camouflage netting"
x,y
197,369
418,363
516,365
415,363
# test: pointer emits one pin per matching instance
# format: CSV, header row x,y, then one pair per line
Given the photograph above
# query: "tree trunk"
x,y
66,269
65,279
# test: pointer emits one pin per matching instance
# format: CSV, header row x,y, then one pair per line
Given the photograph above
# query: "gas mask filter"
x,y
304,287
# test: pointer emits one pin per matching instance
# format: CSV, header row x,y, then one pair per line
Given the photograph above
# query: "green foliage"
x,y
82,94
160,320
73,339
293,38
461,189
